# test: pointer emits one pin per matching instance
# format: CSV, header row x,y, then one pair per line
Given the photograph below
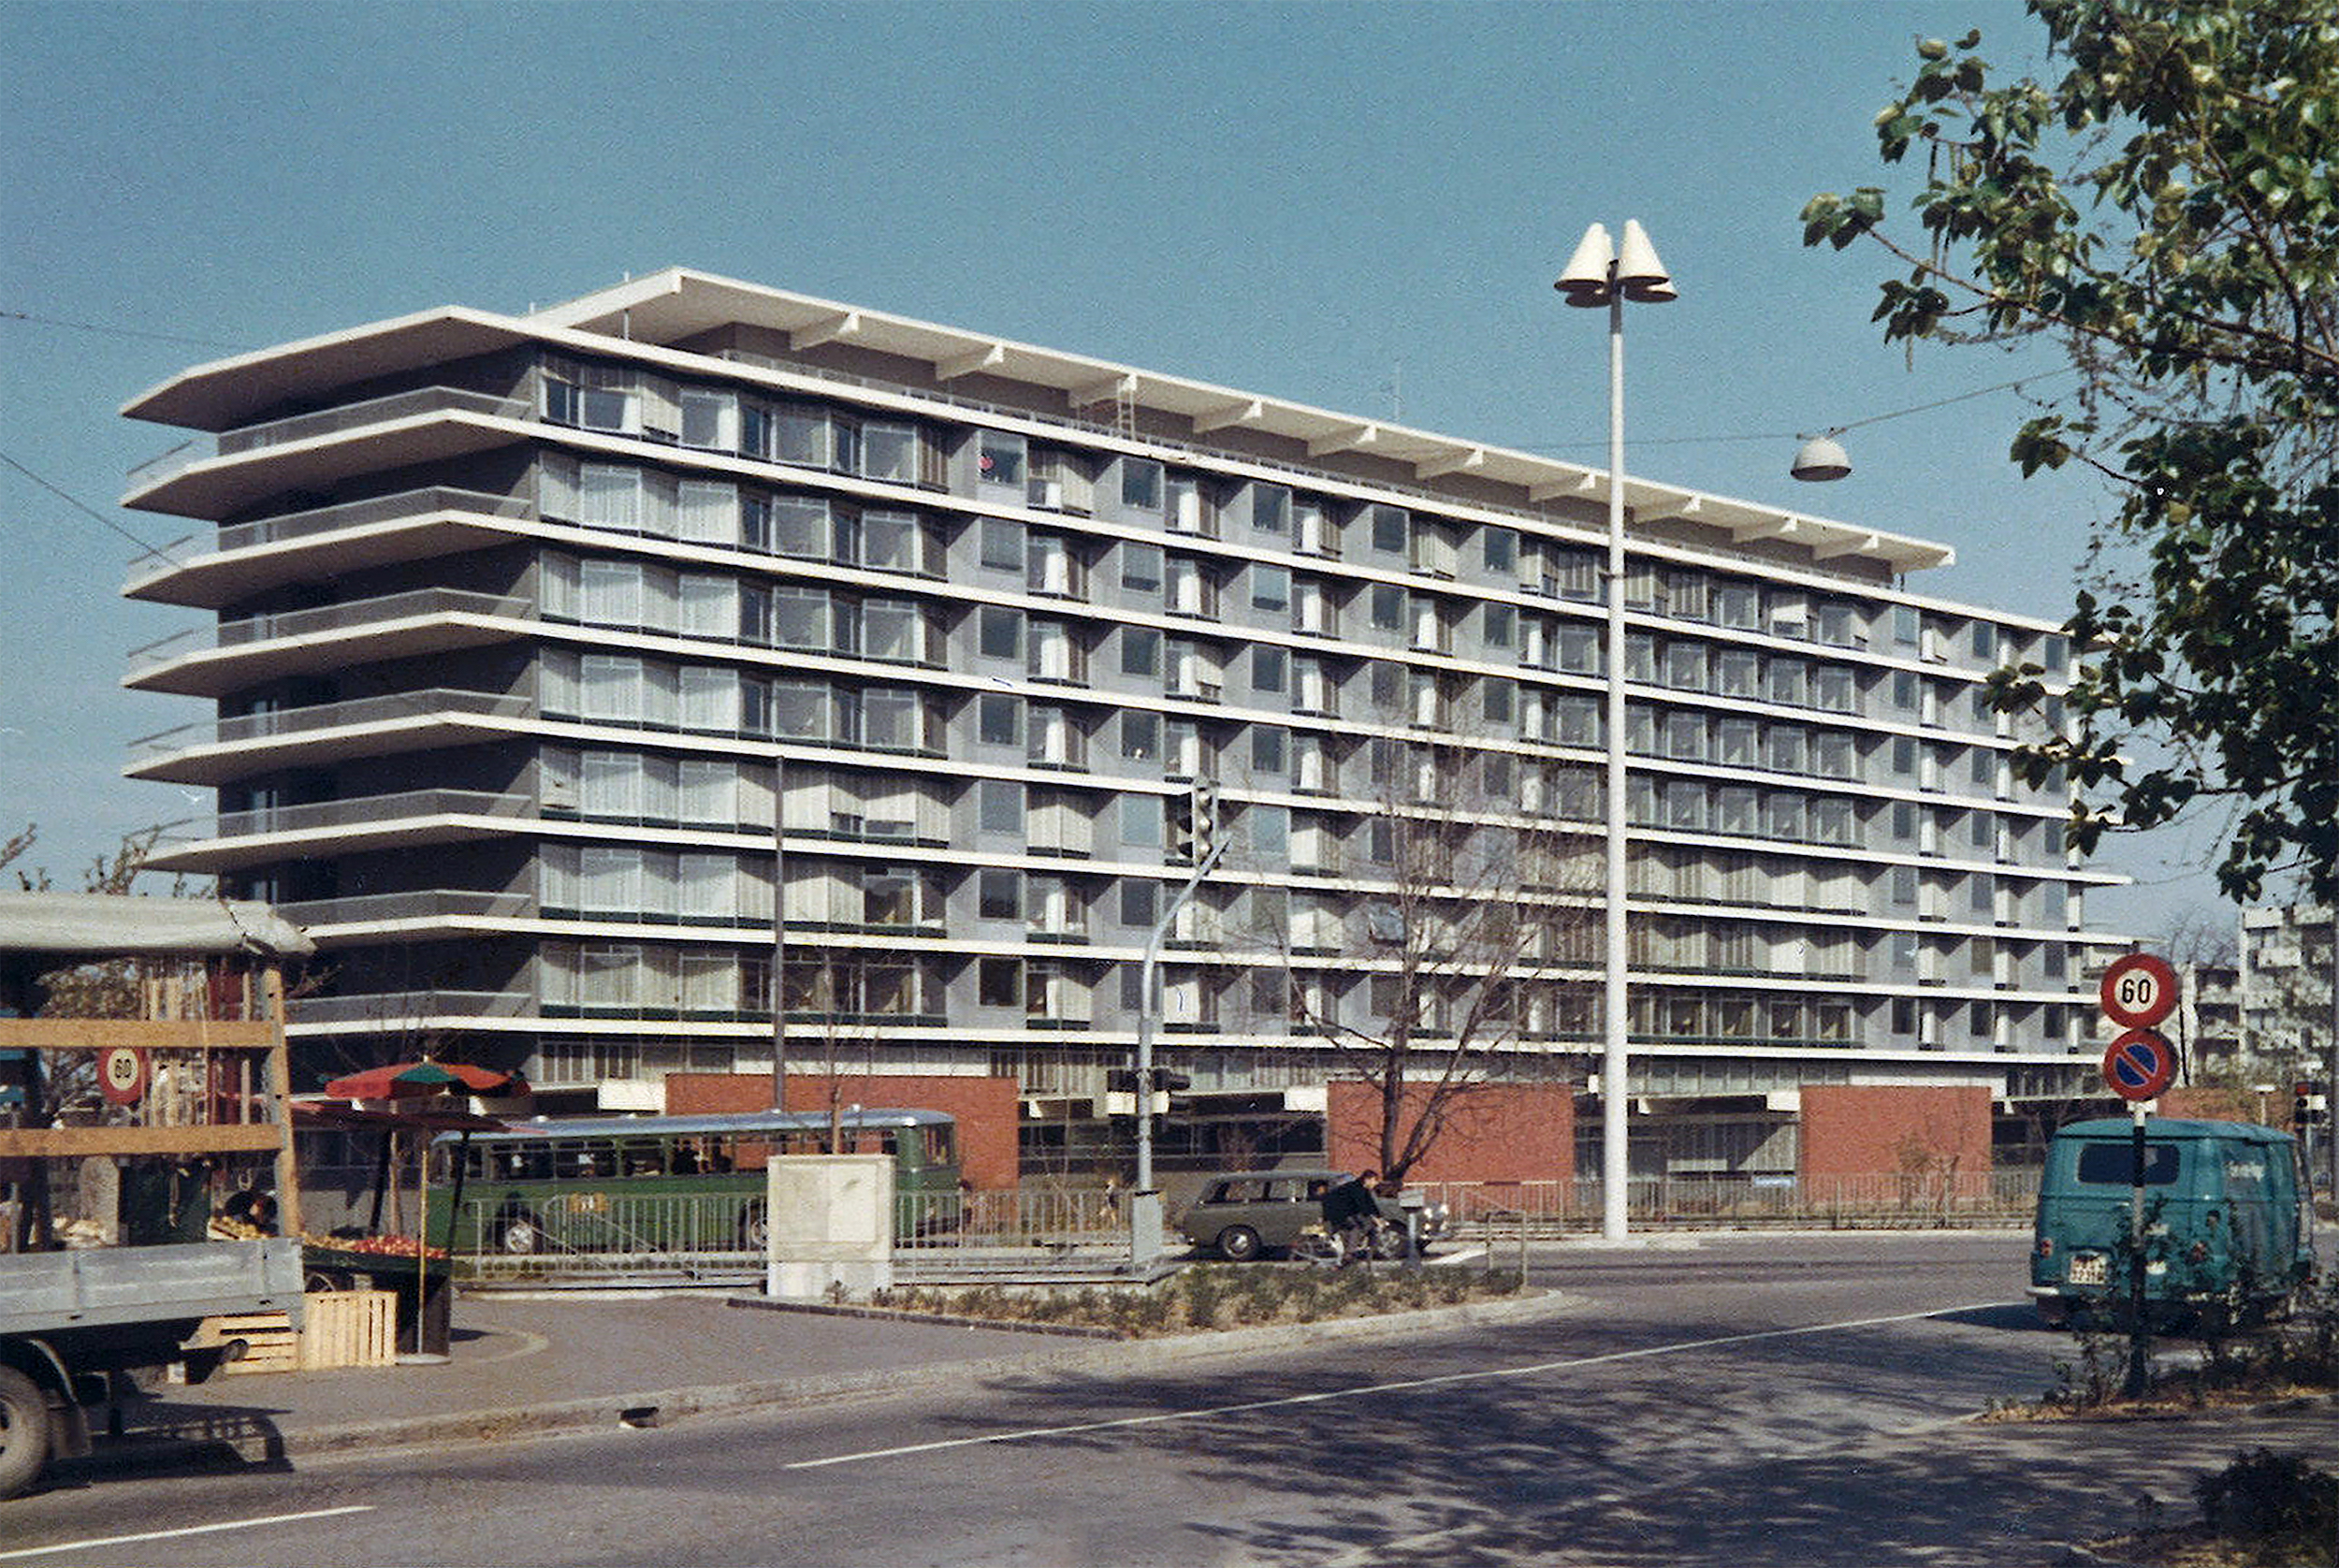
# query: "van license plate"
x,y
2089,1267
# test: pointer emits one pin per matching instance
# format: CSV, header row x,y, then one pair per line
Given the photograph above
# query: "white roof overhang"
x,y
678,304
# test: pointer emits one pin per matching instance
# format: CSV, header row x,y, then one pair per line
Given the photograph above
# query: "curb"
x,y
1122,1357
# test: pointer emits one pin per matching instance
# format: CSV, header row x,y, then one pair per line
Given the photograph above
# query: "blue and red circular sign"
x,y
2139,1065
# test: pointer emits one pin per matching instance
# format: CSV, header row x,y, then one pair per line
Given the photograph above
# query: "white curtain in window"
x,y
611,687
710,981
661,501
707,512
611,784
610,593
814,801
709,604
556,877
707,790
659,689
557,966
609,880
890,807
556,587
710,698
658,789
559,687
612,496
557,497
709,887
660,882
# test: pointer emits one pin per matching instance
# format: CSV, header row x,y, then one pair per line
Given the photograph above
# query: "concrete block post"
x,y
830,1223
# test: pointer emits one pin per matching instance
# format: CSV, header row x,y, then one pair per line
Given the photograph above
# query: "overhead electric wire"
x,y
2015,385
119,331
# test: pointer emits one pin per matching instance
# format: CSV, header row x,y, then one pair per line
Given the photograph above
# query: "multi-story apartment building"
x,y
2289,991
530,631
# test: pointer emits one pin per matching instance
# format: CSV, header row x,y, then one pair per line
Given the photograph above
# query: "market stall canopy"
x,y
424,1078
309,1111
75,927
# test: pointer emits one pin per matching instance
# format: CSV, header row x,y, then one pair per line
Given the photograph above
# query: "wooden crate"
x,y
343,1328
349,1328
270,1344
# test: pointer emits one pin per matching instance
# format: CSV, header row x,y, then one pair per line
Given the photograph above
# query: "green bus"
x,y
664,1185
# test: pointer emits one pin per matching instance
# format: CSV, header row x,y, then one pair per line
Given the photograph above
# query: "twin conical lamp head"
x,y
1586,280
1598,268
1638,273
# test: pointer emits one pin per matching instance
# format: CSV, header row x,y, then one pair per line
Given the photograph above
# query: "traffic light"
x,y
1194,823
1203,810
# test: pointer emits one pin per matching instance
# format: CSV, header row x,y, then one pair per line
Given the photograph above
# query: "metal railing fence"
x,y
1889,1200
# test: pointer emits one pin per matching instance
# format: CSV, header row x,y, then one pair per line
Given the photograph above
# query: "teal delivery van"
x,y
2228,1226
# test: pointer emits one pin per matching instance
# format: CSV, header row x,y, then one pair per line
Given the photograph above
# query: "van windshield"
x,y
2114,1165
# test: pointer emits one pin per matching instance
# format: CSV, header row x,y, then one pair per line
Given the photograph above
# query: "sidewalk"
x,y
522,1364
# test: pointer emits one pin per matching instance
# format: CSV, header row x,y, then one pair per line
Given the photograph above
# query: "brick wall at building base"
x,y
1882,1129
985,1108
1492,1132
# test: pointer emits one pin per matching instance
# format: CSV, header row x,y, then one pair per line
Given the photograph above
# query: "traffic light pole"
x,y
1145,1202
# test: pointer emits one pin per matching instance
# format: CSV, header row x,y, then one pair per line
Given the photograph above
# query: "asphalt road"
x,y
1742,1401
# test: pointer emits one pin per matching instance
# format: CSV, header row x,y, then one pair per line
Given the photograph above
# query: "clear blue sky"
x,y
1348,205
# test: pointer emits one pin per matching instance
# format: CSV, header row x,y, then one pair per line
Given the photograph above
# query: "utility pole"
x,y
1196,834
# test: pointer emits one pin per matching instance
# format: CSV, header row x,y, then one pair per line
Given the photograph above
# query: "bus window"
x,y
585,1159
937,1139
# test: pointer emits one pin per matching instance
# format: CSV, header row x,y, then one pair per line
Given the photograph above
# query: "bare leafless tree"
x,y
1470,906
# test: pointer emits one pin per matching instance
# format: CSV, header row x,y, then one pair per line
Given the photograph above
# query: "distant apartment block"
x,y
588,682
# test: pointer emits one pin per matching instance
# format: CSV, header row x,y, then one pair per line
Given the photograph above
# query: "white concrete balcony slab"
x,y
413,818
214,476
211,662
222,751
323,542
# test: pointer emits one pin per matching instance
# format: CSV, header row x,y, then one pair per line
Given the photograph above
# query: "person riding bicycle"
x,y
1350,1214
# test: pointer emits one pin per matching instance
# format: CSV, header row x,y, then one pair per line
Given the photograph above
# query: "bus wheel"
x,y
24,1431
520,1234
754,1228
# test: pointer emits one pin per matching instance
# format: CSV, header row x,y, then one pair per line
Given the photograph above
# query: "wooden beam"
x,y
75,1142
177,1034
280,1100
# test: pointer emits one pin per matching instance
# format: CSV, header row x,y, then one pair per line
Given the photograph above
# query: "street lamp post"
x,y
1600,275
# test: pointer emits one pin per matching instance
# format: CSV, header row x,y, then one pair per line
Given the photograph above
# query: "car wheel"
x,y
1238,1243
520,1235
24,1431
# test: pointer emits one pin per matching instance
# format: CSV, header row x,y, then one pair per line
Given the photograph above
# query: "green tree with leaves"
x,y
2167,207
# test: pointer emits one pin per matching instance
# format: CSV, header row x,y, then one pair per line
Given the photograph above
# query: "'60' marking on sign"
x,y
2139,991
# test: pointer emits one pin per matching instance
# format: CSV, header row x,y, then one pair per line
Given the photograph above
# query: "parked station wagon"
x,y
1243,1215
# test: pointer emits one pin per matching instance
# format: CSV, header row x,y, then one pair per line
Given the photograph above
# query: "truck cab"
x,y
2228,1227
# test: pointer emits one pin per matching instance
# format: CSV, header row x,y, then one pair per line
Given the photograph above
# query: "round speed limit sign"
x,y
121,1074
2139,991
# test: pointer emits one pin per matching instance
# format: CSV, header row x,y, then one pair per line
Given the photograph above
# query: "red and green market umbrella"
x,y
426,1077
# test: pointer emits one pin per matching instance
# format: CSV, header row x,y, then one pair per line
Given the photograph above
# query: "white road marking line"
x,y
191,1530
1529,1369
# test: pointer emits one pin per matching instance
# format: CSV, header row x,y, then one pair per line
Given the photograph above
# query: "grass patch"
x,y
1208,1296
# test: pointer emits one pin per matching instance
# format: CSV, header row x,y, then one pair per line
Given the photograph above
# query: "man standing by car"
x,y
1349,1213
